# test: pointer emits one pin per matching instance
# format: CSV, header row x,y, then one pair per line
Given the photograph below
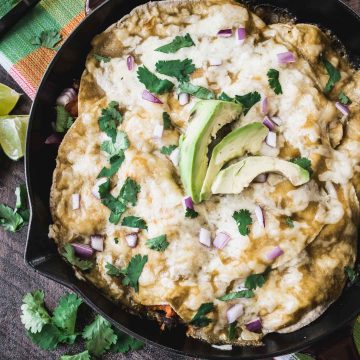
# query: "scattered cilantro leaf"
x,y
113,270
248,100
232,330
10,220
34,315
135,222
125,343
115,163
243,220
303,162
166,121
81,356
273,78
152,82
225,97
167,150
246,293
47,38
180,69
158,243
129,191
197,91
191,213
178,43
48,338
63,119
116,240
200,320
109,120
334,75
120,144
352,275
100,58
289,222
344,99
257,280
99,336
116,206
68,253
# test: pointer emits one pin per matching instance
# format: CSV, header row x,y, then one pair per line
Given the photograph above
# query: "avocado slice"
x,y
207,118
248,138
238,176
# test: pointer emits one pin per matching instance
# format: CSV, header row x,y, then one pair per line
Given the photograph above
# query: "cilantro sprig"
x,y
166,121
191,213
254,281
303,162
68,253
247,100
85,355
167,150
47,39
117,147
243,220
289,222
180,69
134,222
273,78
334,75
344,99
63,120
158,243
352,274
152,82
232,330
115,163
246,293
178,43
197,91
101,58
199,319
109,120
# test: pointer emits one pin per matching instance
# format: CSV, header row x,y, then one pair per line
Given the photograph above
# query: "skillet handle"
x,y
91,5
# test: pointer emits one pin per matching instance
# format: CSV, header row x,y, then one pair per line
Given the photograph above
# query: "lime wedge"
x,y
13,134
8,99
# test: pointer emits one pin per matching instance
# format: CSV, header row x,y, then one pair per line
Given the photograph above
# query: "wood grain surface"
x,y
16,279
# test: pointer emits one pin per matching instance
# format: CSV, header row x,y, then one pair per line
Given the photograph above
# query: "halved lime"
x,y
8,99
13,134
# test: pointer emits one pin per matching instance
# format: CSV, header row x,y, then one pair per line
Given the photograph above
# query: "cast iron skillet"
x,y
41,253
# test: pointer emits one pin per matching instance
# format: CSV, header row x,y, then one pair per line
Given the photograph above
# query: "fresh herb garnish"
x,y
134,222
116,240
191,213
114,148
125,343
152,82
243,220
100,58
63,119
232,330
109,120
303,162
273,78
197,91
115,163
257,280
225,97
352,275
180,69
248,100
158,243
178,43
47,38
344,99
166,121
334,75
68,253
289,222
246,293
129,191
81,356
167,150
200,320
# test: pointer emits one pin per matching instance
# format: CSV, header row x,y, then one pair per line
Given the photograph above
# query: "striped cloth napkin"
x,y
25,62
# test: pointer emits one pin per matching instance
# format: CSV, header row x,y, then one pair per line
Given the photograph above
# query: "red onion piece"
x,y
234,313
97,242
146,95
259,212
241,34
54,138
130,61
342,108
188,203
158,131
183,99
276,120
274,253
261,178
271,139
83,250
254,326
75,201
132,239
221,240
215,62
225,33
175,156
205,237
264,105
67,95
286,57
268,123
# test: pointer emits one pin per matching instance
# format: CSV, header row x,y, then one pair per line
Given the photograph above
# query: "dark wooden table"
x,y
16,279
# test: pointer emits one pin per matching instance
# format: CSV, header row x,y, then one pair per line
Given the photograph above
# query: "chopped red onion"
x,y
274,253
254,326
54,138
132,239
83,250
175,156
97,242
215,62
75,201
183,99
205,237
276,120
264,105
342,108
286,57
260,215
225,33
268,123
188,203
261,178
130,61
271,139
67,95
241,34
234,313
146,95
158,131
221,240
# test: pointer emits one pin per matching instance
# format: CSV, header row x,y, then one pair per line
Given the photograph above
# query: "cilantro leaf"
x,y
243,220
116,206
200,320
352,275
81,356
344,99
225,97
100,58
289,222
109,120
236,295
180,69
63,119
34,315
273,78
99,336
303,162
68,253
129,191
152,82
257,280
48,338
248,100
113,270
114,148
9,219
191,213
115,163
334,75
125,343
232,330
47,38
167,150
178,43
158,243
135,222
166,121
197,91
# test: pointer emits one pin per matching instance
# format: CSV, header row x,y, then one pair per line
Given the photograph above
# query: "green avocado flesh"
x,y
248,138
208,117
235,178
